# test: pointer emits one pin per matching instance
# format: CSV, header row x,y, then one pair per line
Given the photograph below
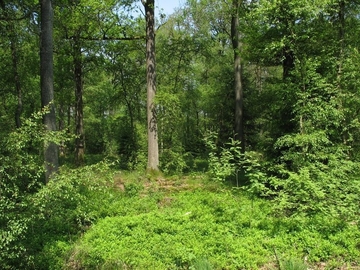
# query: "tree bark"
x,y
238,86
341,18
15,61
47,85
153,148
79,111
288,62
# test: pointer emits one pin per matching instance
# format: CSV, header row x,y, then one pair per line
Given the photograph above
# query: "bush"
x,y
312,176
173,161
66,207
21,174
223,162
36,221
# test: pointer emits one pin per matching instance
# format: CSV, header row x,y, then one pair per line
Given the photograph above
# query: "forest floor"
x,y
193,223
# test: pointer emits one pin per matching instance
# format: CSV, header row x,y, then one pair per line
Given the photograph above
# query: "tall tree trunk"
x,y
238,87
79,114
153,148
341,33
47,85
15,60
341,18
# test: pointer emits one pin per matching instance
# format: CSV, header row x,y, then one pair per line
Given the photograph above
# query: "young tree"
x,y
47,84
79,107
153,148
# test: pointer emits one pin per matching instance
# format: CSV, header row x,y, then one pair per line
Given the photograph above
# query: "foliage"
x,y
173,161
211,228
252,166
64,208
21,174
164,238
224,162
312,177
229,161
34,216
293,264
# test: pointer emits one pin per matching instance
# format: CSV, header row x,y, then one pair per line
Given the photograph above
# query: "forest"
x,y
225,135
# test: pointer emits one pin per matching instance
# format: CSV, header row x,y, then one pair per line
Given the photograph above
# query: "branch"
x,y
157,28
106,38
8,19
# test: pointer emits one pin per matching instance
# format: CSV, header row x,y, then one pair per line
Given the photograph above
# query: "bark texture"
x,y
153,148
47,85
238,86
15,60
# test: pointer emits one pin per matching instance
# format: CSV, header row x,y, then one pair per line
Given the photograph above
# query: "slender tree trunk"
x,y
62,117
341,18
153,148
258,78
288,62
341,33
238,87
47,85
15,61
79,113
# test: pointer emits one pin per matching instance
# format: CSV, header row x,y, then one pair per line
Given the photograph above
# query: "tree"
x,y
87,26
126,125
47,85
153,148
238,86
79,107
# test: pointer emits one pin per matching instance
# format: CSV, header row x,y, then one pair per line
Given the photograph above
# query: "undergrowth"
x,y
148,225
94,218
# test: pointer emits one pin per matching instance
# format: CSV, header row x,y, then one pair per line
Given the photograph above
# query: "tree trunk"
x,y
288,62
341,18
15,60
153,148
79,114
238,87
47,85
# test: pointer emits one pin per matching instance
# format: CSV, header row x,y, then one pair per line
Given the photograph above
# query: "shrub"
x,y
21,174
66,207
223,162
312,176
